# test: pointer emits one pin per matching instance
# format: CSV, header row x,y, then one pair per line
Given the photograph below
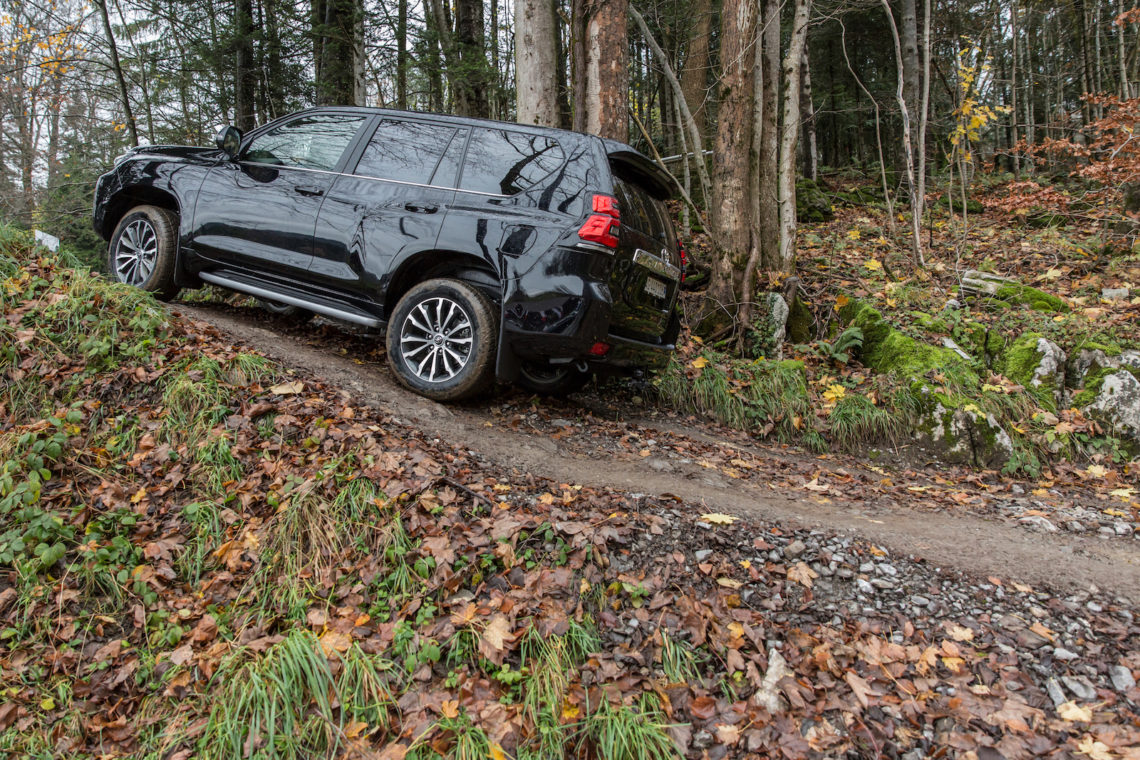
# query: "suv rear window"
x,y
503,162
643,212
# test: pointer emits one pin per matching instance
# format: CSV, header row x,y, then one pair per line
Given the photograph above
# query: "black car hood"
x,y
173,151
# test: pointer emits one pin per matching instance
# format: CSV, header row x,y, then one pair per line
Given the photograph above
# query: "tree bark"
x,y
768,152
471,81
810,149
694,74
245,77
909,32
908,146
335,31
402,55
536,70
731,205
790,133
601,84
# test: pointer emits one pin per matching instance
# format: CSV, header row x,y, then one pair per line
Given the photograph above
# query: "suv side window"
x,y
503,162
405,151
310,142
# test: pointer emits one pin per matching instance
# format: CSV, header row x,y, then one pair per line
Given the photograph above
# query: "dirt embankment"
x,y
590,442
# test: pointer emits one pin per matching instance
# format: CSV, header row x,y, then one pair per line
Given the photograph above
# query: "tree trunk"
x,y
908,145
694,75
335,32
275,74
909,32
402,55
436,31
1015,156
807,108
124,94
731,205
790,133
245,77
471,81
601,84
536,70
768,153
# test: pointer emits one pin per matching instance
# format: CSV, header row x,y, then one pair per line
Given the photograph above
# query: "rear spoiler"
x,y
659,182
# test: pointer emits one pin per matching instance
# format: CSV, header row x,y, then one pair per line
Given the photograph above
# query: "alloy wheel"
x,y
436,339
136,252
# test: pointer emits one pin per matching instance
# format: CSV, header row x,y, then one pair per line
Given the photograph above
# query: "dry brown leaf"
x,y
801,573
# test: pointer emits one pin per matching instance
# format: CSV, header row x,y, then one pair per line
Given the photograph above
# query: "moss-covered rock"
x,y
812,204
1117,401
1038,364
959,432
800,321
972,206
1038,300
888,350
1094,382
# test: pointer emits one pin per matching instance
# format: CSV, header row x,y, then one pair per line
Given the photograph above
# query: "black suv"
x,y
488,250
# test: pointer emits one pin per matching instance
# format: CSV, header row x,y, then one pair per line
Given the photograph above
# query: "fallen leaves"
x,y
803,574
716,518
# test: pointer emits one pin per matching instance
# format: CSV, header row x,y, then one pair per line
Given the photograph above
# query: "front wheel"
x,y
442,340
143,250
551,380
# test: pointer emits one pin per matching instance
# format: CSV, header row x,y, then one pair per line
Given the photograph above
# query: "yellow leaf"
x,y
644,453
699,363
47,703
873,265
449,708
961,633
287,389
1123,493
841,301
138,496
729,582
1115,513
497,752
852,234
1096,471
1094,749
332,641
834,392
570,711
1071,711
354,729
716,518
953,664
501,488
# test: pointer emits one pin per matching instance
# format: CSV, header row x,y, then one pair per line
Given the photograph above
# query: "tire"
x,y
442,340
143,251
549,380
286,312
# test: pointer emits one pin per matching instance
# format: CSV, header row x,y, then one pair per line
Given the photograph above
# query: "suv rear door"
x,y
646,274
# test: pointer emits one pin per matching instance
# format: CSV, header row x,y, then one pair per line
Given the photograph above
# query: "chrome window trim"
x,y
247,162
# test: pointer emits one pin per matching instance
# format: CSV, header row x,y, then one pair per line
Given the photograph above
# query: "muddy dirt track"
x,y
592,441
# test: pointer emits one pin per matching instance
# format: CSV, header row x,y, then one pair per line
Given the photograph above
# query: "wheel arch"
x,y
442,263
127,198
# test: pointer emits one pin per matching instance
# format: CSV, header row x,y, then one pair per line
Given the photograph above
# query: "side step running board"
x,y
293,300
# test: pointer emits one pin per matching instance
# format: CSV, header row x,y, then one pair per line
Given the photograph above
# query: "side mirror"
x,y
228,140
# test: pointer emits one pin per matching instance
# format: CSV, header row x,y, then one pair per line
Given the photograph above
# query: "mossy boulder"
x,y
885,349
1038,300
1116,402
800,321
1038,364
959,432
861,196
1099,356
972,206
812,204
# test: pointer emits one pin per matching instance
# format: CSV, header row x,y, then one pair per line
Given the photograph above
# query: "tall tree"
x,y
536,71
245,77
601,84
695,72
790,133
472,96
731,204
335,26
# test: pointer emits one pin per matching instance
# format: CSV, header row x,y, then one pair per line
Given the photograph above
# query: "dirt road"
x,y
590,441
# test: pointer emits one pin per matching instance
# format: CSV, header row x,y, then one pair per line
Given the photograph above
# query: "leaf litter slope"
x,y
204,558
607,440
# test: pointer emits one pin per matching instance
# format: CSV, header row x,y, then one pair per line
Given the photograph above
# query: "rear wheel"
x,y
551,380
143,250
286,311
442,340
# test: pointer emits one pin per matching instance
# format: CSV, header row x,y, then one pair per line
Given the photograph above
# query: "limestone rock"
x,y
1038,364
964,435
1117,403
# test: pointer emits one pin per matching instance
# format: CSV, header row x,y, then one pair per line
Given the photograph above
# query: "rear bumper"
x,y
564,318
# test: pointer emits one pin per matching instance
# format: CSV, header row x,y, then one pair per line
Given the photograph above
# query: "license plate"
x,y
655,287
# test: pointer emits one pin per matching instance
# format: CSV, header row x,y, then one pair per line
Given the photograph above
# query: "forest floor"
x,y
221,535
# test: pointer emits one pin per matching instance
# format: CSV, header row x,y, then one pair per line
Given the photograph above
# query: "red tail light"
x,y
684,260
603,225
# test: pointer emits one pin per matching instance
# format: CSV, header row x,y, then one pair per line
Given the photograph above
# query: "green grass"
x,y
465,741
678,660
623,732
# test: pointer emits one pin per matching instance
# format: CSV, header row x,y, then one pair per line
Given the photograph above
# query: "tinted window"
x,y
448,169
503,162
642,211
407,151
311,142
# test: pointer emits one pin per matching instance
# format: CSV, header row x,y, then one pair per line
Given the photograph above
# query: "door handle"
x,y
314,191
421,208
